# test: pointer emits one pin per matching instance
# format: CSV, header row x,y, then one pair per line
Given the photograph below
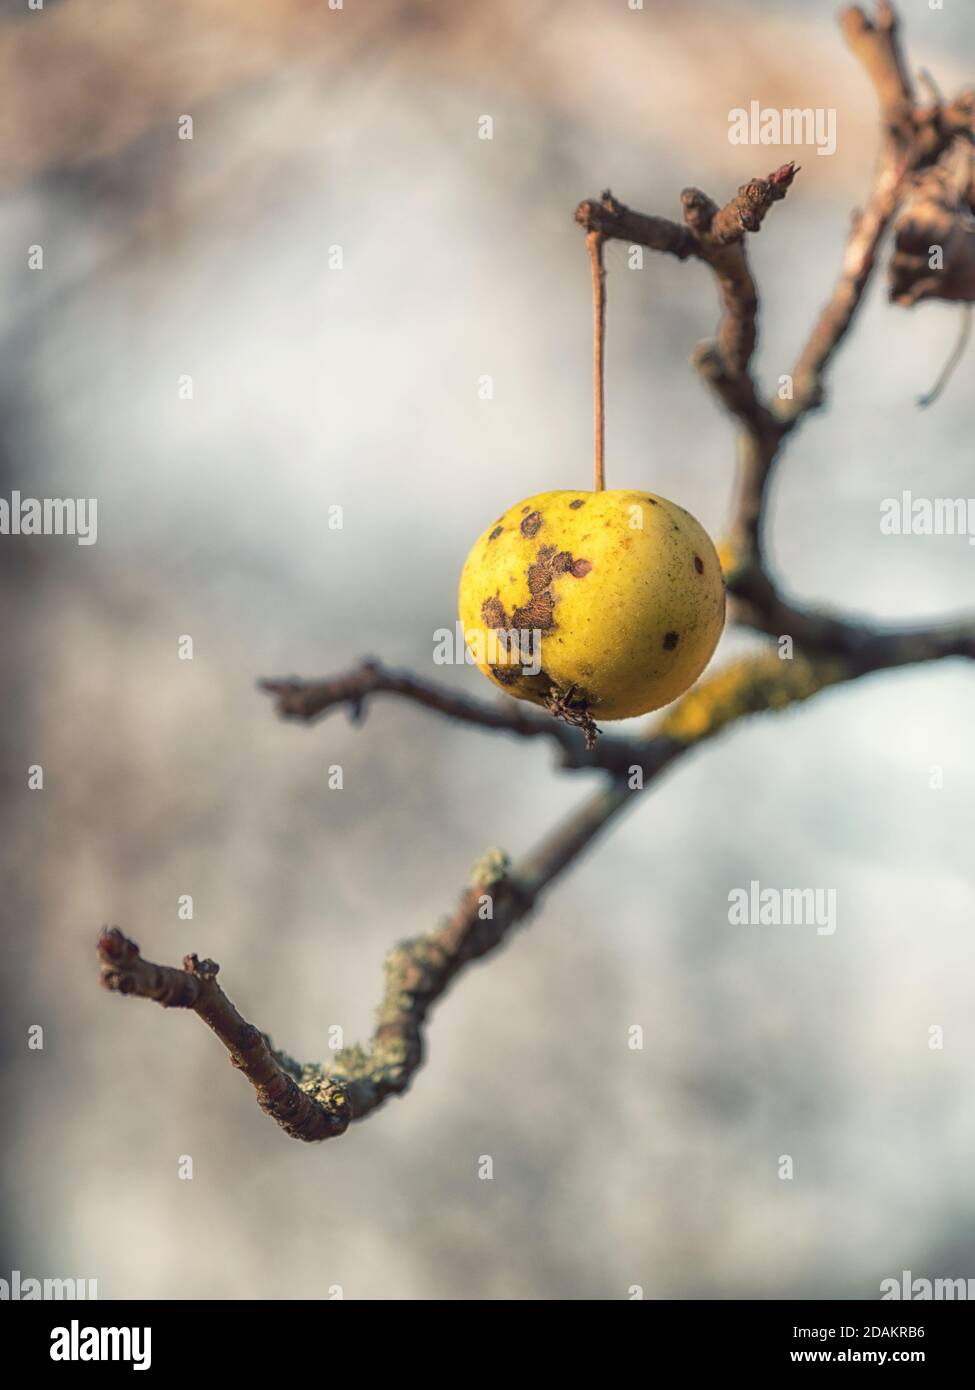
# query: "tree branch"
x,y
195,987
318,1100
912,138
876,43
310,700
938,214
710,234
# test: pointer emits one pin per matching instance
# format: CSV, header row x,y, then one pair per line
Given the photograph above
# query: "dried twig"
x,y
309,700
937,218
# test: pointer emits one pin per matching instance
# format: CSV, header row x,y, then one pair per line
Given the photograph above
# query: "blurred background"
x,y
358,387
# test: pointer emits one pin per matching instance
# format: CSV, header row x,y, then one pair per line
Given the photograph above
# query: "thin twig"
x,y
958,352
309,700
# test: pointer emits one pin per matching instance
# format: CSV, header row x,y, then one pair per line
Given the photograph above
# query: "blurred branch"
x,y
876,44
934,235
309,700
912,138
319,1100
315,1100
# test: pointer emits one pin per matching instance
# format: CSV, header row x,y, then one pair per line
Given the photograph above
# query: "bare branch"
x,y
613,220
912,138
863,647
837,317
318,1101
716,236
315,1101
937,214
710,234
195,987
876,43
309,700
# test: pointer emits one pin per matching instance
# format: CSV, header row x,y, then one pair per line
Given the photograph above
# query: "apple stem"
x,y
594,241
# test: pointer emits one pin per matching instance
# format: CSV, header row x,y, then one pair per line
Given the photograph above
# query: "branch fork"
x,y
918,161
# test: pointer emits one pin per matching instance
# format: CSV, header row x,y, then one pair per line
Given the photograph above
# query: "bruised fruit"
x,y
597,605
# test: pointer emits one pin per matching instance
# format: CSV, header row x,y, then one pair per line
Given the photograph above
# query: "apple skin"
x,y
623,591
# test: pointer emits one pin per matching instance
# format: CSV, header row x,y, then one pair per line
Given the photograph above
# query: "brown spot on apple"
x,y
492,612
504,674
